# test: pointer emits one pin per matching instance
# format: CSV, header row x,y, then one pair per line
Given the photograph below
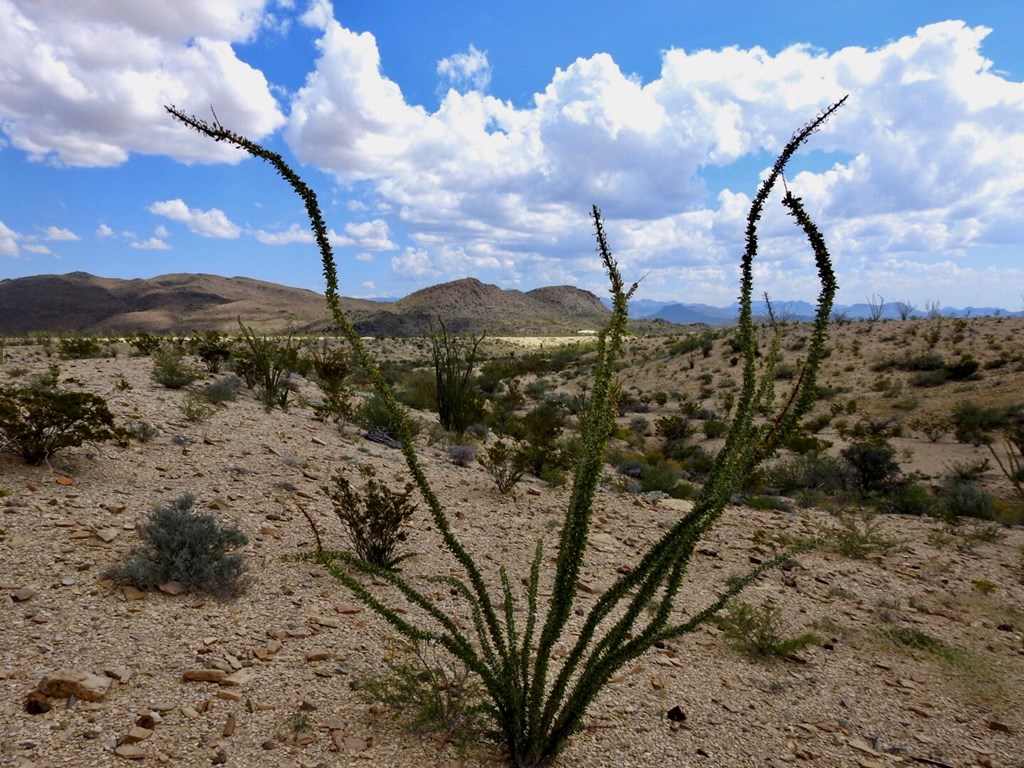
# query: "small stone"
x,y
71,682
228,695
64,480
997,725
188,713
229,726
328,621
237,678
204,675
676,714
36,704
354,744
114,509
273,646
137,734
307,706
132,593
219,504
130,752
119,673
23,594
172,587
146,721
318,654
220,758
107,535
347,609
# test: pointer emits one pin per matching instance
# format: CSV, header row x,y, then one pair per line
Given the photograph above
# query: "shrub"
x,y
223,390
504,465
374,519
37,421
458,397
170,368
973,423
375,416
962,499
873,463
265,363
193,408
78,348
757,632
713,428
461,455
213,348
858,535
537,698
188,547
145,343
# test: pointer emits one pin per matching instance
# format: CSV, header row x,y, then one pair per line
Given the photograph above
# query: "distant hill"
x,y
83,303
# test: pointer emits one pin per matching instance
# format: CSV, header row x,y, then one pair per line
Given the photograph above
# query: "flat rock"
x,y
204,675
318,654
107,535
72,682
237,678
172,587
23,594
137,734
130,752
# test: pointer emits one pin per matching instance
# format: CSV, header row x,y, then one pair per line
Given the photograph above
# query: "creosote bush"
x,y
189,547
374,519
38,420
535,698
171,369
757,631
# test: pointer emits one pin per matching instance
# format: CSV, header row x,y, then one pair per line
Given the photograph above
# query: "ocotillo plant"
x,y
536,701
457,397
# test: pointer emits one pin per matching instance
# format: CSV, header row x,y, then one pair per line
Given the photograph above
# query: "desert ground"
x,y
296,650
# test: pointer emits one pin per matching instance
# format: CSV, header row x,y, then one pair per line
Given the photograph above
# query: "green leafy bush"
x,y
504,465
39,420
171,369
458,397
145,344
873,463
78,348
213,348
757,631
265,362
188,547
374,519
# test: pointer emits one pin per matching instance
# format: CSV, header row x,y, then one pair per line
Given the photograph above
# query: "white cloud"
x,y
58,233
294,234
152,244
927,158
466,71
371,235
84,83
103,231
8,241
37,248
211,223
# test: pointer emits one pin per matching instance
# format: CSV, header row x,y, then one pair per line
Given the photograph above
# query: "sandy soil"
x,y
299,648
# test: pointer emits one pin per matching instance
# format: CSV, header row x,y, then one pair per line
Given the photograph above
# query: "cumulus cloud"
x,y
371,235
8,241
103,231
84,83
37,248
466,71
152,244
927,158
59,233
294,234
211,223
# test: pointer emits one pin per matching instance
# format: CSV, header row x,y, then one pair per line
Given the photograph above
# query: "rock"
x,y
64,480
328,621
107,535
346,609
132,593
137,734
237,678
676,714
36,703
23,594
354,744
204,675
120,673
72,682
131,752
229,726
172,587
997,725
318,654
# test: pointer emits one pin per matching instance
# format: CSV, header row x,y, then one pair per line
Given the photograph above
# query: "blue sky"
x,y
453,139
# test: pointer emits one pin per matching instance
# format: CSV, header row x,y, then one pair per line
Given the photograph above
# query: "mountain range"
x,y
178,303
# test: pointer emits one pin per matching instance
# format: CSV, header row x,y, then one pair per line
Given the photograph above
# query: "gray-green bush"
x,y
537,699
189,547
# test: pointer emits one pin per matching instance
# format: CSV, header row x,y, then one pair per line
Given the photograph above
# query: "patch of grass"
x,y
859,536
757,631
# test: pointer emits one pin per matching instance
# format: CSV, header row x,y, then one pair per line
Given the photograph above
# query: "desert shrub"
x,y
538,431
713,428
906,497
859,536
458,398
195,408
212,347
925,379
461,455
537,698
329,365
189,547
418,390
962,499
375,416
813,471
145,344
171,369
973,423
963,369
504,465
39,420
223,390
265,363
430,691
673,427
757,632
143,431
873,463
375,519
78,348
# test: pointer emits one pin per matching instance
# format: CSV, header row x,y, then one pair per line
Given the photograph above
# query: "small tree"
x,y
537,697
905,309
876,306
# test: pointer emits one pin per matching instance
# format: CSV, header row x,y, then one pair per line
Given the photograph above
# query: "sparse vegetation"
x,y
189,547
171,368
758,632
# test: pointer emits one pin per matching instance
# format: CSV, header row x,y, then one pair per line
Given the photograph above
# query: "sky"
x,y
460,138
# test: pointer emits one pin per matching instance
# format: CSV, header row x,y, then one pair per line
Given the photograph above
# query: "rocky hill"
x,y
83,303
